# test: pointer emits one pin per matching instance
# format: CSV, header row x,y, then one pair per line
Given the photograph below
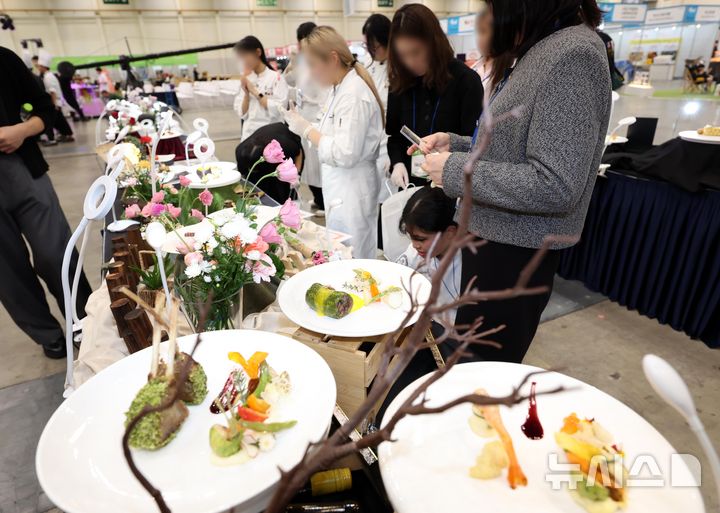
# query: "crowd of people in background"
x,y
544,61
542,88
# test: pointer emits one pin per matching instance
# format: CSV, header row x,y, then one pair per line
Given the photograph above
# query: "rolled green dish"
x,y
328,302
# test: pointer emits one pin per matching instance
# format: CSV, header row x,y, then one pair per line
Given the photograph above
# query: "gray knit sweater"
x,y
537,176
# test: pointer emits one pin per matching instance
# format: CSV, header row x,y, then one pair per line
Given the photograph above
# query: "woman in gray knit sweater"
x,y
537,176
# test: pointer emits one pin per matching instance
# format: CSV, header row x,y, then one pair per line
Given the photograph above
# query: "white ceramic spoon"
x,y
669,385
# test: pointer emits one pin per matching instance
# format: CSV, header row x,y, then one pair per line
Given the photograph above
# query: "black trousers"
x,y
495,267
317,197
60,124
30,211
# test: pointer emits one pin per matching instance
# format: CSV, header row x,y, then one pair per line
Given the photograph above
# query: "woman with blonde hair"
x,y
347,137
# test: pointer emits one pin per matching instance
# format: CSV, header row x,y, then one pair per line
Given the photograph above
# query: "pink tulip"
x,y
193,258
287,172
132,211
184,180
158,197
273,152
206,197
174,211
290,214
270,234
197,214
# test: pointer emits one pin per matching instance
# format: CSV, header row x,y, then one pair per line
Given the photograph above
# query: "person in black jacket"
x,y
430,90
30,208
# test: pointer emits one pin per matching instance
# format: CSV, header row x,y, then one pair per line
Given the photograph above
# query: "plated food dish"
x,y
352,298
432,466
706,135
79,458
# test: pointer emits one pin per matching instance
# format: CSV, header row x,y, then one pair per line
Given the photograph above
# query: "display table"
x,y
102,346
653,247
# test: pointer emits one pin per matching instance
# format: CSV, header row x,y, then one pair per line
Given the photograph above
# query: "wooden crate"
x,y
354,369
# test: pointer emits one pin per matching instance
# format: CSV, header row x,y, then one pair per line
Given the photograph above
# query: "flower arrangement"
x,y
220,249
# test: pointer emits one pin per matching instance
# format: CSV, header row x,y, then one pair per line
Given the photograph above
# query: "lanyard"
x,y
496,92
432,122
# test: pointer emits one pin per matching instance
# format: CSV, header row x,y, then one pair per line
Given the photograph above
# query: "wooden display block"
x,y
353,361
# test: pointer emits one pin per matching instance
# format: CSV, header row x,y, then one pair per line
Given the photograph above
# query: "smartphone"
x,y
412,137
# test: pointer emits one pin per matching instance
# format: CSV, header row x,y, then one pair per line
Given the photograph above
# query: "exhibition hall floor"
x,y
583,334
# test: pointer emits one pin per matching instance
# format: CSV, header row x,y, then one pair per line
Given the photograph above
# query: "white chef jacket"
x,y
451,281
311,98
379,73
272,85
352,130
52,85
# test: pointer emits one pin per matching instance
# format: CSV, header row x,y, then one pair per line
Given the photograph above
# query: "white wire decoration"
x,y
99,201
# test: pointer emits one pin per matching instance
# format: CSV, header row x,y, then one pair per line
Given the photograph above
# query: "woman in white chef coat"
x,y
264,90
376,32
309,99
347,138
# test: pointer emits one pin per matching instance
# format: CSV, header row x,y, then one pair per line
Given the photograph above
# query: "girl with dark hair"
x,y
263,89
537,175
427,214
430,90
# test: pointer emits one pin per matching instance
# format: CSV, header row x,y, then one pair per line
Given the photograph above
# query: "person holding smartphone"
x,y
536,177
430,90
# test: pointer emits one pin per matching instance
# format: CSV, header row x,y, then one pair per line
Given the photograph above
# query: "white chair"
x,y
207,90
229,88
184,91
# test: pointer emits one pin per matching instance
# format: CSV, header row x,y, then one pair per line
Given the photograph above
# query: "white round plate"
x,y
228,175
165,158
693,136
371,320
426,469
79,458
616,139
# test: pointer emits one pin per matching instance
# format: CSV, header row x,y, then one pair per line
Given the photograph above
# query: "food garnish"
x,y
491,415
247,401
588,445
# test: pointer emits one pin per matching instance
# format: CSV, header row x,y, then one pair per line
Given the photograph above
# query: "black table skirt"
x,y
654,248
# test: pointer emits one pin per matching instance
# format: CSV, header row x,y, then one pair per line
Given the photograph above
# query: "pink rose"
x,y
158,197
287,172
273,152
153,209
174,211
132,211
318,258
185,181
186,245
290,214
193,258
197,214
270,234
206,197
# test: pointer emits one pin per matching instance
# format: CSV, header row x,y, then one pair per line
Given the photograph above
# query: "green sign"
x,y
123,2
189,59
266,3
385,3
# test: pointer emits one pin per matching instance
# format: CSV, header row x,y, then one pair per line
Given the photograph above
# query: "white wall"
x,y
89,27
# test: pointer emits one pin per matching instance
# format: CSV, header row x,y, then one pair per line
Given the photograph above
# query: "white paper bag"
x,y
394,242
